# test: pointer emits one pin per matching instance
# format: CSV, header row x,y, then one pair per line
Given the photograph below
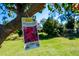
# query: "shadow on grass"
x,y
75,36
45,37
72,37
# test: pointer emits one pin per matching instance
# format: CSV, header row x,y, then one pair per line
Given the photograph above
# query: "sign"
x,y
29,28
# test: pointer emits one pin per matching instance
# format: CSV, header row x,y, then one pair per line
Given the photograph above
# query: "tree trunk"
x,y
15,24
9,28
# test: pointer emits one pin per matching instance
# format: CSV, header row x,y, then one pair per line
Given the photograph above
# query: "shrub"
x,y
51,27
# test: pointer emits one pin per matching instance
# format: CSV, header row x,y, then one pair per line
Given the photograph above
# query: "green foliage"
x,y
59,6
4,20
9,4
50,8
19,32
77,23
51,27
56,6
67,6
70,23
61,29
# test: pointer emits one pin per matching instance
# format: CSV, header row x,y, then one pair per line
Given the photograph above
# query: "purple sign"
x,y
31,38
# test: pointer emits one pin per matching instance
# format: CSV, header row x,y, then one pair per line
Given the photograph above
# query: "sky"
x,y
44,14
4,13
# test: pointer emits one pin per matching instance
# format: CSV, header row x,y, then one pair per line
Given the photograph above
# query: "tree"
x,y
19,32
15,24
65,10
70,23
51,27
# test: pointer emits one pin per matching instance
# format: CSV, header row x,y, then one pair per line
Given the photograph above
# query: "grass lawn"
x,y
53,47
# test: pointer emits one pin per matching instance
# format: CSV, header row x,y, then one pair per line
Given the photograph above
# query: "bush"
x,y
13,36
70,23
19,32
51,27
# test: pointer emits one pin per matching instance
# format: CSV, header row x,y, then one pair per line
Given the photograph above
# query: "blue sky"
x,y
44,14
4,13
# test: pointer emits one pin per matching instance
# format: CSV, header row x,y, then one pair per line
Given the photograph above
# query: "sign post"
x,y
29,28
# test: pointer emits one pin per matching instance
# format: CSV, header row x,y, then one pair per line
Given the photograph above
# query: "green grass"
x,y
53,47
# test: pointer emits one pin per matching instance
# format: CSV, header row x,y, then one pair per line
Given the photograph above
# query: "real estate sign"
x,y
29,28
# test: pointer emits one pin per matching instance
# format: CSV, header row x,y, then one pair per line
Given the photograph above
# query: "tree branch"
x,y
16,23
